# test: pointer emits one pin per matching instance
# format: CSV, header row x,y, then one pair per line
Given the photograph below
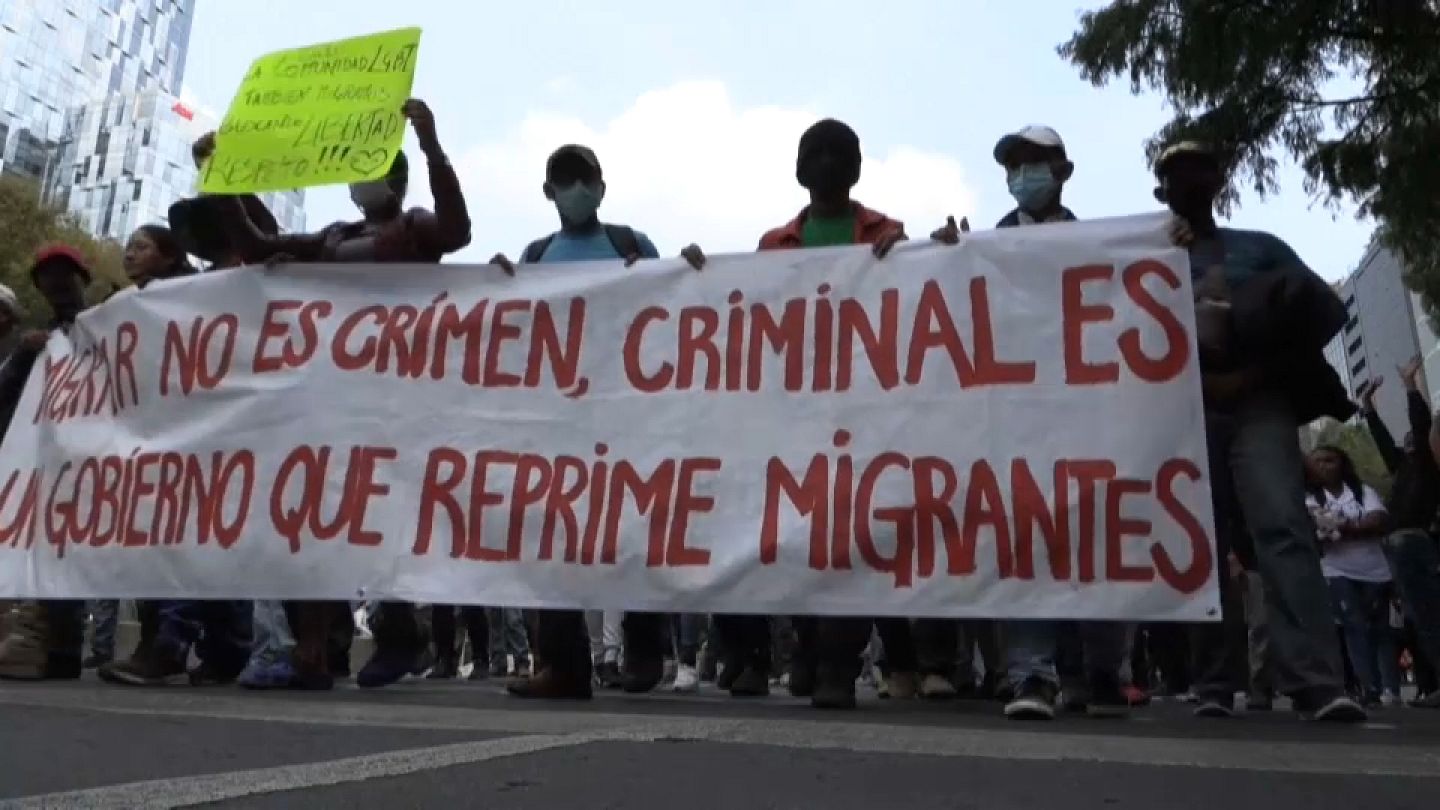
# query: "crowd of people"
x,y
1327,589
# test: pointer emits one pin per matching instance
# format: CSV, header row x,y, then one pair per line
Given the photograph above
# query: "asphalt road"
x,y
423,744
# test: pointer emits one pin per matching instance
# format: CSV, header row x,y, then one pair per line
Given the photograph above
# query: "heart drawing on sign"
x,y
366,161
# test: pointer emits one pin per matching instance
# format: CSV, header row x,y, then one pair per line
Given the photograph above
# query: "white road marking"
x,y
554,728
192,790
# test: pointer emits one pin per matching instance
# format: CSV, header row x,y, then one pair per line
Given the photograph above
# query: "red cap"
x,y
61,252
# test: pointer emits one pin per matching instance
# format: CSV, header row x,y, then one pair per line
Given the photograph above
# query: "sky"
x,y
695,116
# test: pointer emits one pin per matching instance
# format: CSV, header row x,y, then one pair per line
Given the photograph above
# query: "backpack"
x,y
621,237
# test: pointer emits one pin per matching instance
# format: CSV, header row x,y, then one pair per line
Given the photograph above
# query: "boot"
x,y
24,652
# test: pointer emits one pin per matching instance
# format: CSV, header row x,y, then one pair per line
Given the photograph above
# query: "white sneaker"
x,y
1389,700
686,679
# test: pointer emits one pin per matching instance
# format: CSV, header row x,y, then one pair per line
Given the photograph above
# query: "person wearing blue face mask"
x,y
1036,170
564,669
576,185
1088,654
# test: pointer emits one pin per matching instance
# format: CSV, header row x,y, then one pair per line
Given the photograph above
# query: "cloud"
x,y
684,164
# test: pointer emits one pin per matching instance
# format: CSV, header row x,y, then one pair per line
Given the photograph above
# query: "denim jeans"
x,y
1262,672
689,632
1258,485
1415,563
606,635
1363,609
505,631
1030,648
106,615
273,641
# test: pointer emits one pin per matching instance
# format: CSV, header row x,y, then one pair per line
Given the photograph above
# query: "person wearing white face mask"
x,y
1036,170
389,232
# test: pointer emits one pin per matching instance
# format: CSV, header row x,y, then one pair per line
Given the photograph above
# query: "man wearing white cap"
x,y
1036,169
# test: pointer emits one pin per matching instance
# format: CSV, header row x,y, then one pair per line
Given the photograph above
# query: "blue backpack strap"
x,y
535,251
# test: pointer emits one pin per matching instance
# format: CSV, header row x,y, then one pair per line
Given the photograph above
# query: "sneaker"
x,y
938,687
263,674
522,667
1107,699
1430,701
687,679
143,670
548,685
386,666
1215,706
1340,709
642,676
752,682
903,685
1389,700
1033,700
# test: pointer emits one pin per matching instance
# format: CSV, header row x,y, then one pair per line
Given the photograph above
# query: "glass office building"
x,y
125,159
89,109
55,54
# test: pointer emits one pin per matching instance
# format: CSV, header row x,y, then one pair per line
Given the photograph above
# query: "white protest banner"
x,y
1008,427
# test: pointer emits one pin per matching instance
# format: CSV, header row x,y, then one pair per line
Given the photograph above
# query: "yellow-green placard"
x,y
329,113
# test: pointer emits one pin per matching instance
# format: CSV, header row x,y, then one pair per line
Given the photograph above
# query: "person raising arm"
x,y
387,232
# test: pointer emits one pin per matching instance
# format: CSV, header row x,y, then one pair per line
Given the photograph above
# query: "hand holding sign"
x,y
330,113
423,121
203,148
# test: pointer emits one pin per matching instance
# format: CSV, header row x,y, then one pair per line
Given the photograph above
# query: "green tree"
x,y
1256,77
26,225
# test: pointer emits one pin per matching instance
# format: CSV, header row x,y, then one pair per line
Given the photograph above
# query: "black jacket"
x,y
1415,495
1283,319
15,373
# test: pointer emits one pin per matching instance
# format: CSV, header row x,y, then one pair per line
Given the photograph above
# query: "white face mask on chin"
x,y
371,195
